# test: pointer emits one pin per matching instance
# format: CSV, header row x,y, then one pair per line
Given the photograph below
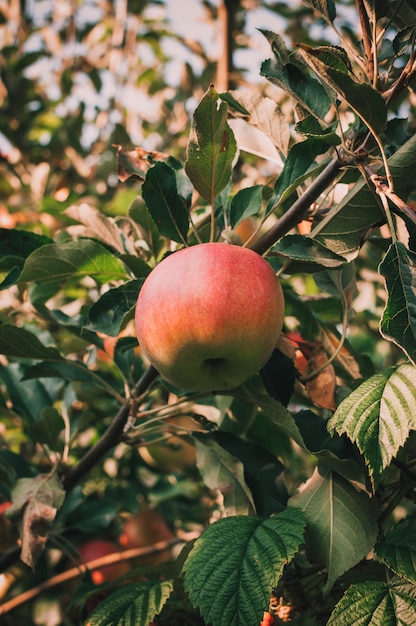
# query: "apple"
x,y
209,316
146,528
97,548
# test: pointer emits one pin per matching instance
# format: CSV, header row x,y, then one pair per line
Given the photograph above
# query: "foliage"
x,y
294,494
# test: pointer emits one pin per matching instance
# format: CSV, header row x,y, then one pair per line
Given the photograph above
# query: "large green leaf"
x,y
347,225
306,254
109,314
160,192
211,147
223,471
376,604
398,323
136,603
233,566
367,103
397,550
56,263
379,415
341,522
287,72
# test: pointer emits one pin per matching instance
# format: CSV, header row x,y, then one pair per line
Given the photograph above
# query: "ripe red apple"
x,y
146,528
97,548
209,316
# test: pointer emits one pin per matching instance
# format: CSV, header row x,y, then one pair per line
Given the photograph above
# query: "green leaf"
x,y
376,604
310,127
348,224
20,243
233,566
223,471
28,397
165,205
136,603
287,72
365,101
398,550
245,203
295,171
306,253
278,415
48,428
35,501
109,314
341,522
19,342
398,323
211,147
56,263
379,415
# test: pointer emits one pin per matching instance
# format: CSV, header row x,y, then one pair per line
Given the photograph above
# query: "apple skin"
x,y
97,548
209,316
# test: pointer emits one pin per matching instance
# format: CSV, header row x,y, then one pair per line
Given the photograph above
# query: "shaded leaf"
x,y
376,603
165,205
398,323
321,388
109,314
245,203
349,223
397,550
136,603
35,501
341,522
286,71
379,415
19,342
325,7
225,472
365,101
211,147
48,428
20,243
233,566
306,252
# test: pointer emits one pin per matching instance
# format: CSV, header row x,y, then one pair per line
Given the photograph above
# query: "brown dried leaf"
x,y
321,388
35,503
135,163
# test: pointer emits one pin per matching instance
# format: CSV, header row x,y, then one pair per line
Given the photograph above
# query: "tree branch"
x,y
298,210
112,435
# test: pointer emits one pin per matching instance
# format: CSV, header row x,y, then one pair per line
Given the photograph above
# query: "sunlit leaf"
x,y
233,566
306,253
379,415
341,522
59,262
211,147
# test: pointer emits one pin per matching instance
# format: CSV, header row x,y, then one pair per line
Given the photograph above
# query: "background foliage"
x,y
291,498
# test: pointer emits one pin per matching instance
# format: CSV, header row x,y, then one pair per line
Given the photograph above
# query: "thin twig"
x,y
81,568
111,437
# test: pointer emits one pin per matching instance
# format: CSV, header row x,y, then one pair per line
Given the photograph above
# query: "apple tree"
x,y
290,498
